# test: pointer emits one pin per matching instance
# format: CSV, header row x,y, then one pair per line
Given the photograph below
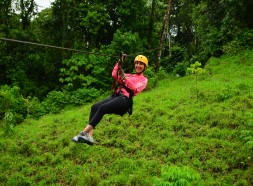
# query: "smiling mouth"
x,y
138,70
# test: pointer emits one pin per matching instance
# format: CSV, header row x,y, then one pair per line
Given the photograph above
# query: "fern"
x,y
180,176
9,121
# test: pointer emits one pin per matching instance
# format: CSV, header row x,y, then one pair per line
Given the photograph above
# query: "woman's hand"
x,y
121,73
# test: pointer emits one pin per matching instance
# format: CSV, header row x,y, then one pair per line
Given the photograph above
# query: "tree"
x,y
165,28
28,9
151,24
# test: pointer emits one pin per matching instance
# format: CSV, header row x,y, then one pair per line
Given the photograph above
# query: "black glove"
x,y
121,60
121,73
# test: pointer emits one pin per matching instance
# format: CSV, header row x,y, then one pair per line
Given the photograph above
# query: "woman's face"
x,y
139,67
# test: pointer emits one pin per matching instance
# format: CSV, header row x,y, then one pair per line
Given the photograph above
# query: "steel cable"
x,y
70,49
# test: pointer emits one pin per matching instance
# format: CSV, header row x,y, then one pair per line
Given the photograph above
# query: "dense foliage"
x,y
197,30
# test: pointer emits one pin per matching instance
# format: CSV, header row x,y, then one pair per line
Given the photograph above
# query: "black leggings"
x,y
117,104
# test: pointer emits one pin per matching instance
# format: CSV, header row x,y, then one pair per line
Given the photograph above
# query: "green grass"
x,y
178,134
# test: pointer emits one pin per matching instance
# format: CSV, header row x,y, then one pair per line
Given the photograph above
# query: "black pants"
x,y
116,104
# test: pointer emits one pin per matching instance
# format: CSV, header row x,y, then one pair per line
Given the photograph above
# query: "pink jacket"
x,y
136,82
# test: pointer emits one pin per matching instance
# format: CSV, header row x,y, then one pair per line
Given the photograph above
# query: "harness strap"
x,y
131,94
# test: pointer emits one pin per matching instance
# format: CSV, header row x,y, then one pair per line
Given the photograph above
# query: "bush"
x,y
9,121
56,101
14,108
35,108
81,96
85,71
180,68
178,54
242,41
11,101
153,77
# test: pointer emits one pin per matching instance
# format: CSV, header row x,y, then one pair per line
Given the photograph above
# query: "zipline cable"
x,y
50,46
70,49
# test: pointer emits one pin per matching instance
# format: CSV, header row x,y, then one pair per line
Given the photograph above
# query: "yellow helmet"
x,y
142,59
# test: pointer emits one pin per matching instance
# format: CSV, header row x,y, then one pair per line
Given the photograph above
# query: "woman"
x,y
119,103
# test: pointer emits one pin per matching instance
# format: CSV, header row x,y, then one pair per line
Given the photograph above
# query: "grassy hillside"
x,y
186,130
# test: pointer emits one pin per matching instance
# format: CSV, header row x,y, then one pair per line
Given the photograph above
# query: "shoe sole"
x,y
74,141
81,140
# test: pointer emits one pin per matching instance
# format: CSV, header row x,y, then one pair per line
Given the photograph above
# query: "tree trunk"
x,y
169,40
27,8
165,27
151,24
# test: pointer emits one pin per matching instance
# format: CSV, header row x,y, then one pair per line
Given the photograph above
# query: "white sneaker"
x,y
83,138
75,139
86,139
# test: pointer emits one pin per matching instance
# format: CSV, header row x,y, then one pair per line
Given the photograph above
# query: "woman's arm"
x,y
136,83
115,73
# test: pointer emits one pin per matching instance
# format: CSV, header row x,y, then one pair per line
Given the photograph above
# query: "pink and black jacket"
x,y
135,82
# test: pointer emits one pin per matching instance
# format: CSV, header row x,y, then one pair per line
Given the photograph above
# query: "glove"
x,y
120,62
121,73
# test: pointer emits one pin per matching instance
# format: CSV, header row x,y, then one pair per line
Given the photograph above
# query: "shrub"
x,y
34,108
178,54
198,72
9,121
242,41
85,71
58,100
153,77
11,101
55,101
195,69
81,96
180,68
